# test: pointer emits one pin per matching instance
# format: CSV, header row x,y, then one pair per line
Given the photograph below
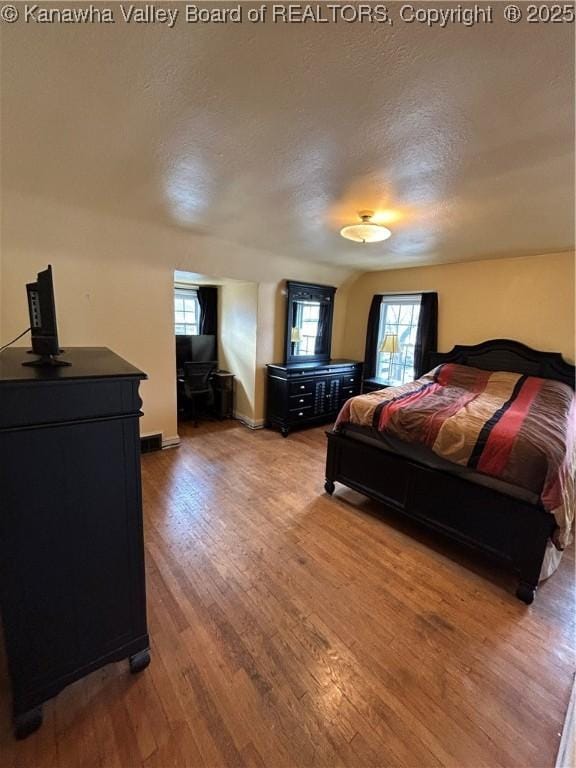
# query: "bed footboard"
x,y
501,526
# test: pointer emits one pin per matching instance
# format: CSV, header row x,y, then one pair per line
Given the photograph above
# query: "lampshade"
x,y
367,232
390,344
295,336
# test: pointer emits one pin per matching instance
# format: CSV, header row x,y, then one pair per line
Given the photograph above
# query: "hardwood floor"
x,y
293,629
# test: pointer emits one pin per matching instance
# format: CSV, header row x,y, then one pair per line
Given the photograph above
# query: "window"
x,y
307,318
186,312
398,317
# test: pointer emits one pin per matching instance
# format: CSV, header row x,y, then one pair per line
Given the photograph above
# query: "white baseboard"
x,y
174,442
248,422
167,442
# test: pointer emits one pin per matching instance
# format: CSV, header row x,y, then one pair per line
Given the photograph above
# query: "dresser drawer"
x,y
57,401
350,380
300,414
349,391
300,387
297,402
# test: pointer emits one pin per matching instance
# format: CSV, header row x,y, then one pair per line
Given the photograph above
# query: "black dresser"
x,y
308,394
72,590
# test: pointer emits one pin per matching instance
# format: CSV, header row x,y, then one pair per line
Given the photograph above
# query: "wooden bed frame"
x,y
499,525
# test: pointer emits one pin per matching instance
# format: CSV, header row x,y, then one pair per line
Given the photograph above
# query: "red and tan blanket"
x,y
520,429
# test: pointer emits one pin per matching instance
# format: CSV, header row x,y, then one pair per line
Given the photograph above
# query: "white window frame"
x,y
186,311
398,368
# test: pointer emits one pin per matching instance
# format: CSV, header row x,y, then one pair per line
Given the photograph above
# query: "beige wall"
x,y
114,280
528,299
237,343
270,337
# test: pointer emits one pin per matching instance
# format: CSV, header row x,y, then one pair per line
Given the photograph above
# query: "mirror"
x,y
309,322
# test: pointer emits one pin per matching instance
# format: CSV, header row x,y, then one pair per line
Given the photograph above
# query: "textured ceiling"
x,y
273,136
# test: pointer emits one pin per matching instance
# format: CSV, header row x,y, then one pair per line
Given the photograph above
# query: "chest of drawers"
x,y
308,394
72,585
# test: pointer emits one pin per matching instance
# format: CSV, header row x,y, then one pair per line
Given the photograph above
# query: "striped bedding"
x,y
520,429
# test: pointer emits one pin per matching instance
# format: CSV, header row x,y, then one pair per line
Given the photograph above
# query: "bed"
x,y
502,520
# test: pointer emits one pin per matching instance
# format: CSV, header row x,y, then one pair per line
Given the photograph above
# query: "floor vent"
x,y
150,443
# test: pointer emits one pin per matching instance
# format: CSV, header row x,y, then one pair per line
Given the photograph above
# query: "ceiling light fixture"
x,y
367,232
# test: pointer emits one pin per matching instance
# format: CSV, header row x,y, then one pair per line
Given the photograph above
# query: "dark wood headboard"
x,y
508,355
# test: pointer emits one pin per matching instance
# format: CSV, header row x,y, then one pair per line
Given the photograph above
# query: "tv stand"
x,y
46,361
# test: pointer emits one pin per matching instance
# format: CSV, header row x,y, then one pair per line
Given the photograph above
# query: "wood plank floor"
x,y
293,629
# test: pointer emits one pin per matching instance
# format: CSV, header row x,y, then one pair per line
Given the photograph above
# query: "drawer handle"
x,y
301,400
302,386
301,413
351,378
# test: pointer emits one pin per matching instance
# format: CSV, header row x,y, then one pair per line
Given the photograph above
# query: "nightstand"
x,y
371,385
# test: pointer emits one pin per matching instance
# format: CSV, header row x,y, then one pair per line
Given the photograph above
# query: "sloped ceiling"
x,y
275,135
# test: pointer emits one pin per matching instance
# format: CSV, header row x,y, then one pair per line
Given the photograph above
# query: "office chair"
x,y
197,384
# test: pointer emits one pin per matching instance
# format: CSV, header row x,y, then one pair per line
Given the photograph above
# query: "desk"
x,y
222,383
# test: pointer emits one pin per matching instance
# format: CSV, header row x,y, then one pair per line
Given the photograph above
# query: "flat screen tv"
x,y
195,349
43,328
203,348
183,351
